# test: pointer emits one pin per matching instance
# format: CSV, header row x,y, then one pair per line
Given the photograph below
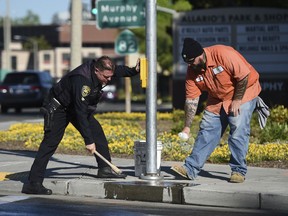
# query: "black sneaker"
x,y
35,188
107,172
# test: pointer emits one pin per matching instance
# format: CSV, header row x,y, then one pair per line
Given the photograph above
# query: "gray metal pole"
x,y
7,37
151,130
35,53
76,34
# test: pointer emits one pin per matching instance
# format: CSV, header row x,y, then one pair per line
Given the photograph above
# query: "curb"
x,y
163,192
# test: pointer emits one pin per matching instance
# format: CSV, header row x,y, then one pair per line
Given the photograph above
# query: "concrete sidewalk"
x,y
264,188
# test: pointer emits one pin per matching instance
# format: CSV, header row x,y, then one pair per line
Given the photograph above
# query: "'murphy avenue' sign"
x,y
120,13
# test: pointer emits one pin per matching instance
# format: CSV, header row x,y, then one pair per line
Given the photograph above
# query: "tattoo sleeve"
x,y
190,110
240,89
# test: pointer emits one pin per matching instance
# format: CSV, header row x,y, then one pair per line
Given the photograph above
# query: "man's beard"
x,y
199,67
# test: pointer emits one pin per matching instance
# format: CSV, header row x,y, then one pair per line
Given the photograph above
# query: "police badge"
x,y
85,91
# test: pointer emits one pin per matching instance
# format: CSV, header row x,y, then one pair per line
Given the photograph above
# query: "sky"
x,y
45,9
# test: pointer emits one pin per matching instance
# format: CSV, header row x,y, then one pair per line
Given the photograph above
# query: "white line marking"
x,y
9,199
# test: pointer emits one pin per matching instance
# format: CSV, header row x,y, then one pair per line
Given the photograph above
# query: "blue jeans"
x,y
211,130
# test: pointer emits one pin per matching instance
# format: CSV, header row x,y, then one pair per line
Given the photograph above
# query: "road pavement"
x,y
34,115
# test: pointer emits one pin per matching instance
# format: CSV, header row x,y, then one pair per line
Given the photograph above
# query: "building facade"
x,y
56,60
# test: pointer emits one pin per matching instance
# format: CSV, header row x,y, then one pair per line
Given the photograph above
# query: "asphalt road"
x,y
33,113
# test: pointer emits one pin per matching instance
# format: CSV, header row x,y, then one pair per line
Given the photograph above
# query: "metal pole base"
x,y
152,177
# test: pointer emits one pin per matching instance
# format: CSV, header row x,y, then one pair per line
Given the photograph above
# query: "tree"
x,y
204,4
41,41
29,19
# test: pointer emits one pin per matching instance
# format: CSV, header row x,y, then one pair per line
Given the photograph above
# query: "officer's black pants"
x,y
53,137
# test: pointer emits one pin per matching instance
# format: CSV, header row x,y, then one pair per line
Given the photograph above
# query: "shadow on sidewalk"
x,y
203,173
56,172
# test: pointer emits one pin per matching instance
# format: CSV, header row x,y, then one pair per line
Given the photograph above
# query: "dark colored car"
x,y
24,89
109,93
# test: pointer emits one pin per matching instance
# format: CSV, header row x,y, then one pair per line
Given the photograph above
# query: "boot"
x,y
35,188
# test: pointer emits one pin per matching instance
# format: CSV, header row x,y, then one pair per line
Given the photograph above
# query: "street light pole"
x,y
35,54
151,100
76,34
35,48
7,37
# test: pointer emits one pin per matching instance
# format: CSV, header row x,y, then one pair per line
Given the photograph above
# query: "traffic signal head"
x,y
93,9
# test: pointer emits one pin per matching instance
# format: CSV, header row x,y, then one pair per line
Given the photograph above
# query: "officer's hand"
x,y
137,67
91,147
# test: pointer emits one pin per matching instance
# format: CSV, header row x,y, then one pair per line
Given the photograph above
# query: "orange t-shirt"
x,y
224,67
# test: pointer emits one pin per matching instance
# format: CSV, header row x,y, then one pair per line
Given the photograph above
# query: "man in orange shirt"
x,y
233,88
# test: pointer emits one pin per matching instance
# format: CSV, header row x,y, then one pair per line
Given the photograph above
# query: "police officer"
x,y
74,99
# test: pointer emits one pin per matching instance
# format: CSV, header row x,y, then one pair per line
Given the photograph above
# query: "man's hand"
x,y
91,147
186,130
235,107
137,67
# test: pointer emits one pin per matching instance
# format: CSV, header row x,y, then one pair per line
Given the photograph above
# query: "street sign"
x,y
120,13
126,43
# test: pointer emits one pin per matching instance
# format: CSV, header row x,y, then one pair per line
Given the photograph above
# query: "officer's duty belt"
x,y
56,104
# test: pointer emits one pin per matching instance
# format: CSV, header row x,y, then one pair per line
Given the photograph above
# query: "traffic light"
x,y
93,9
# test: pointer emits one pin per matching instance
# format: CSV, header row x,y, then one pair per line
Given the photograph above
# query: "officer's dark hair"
x,y
104,63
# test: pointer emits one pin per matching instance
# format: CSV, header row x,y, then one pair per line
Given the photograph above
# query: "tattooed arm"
x,y
190,111
240,89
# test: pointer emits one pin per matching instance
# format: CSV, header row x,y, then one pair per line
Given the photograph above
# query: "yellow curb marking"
x,y
3,176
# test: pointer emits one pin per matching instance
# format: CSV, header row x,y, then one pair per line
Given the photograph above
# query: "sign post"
x,y
126,43
151,99
131,13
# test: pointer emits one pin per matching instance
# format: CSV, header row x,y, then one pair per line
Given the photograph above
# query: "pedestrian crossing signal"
x,y
143,72
94,10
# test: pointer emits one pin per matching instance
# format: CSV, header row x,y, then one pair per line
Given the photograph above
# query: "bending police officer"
x,y
74,99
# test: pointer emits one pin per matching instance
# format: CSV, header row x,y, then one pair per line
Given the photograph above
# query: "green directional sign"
x,y
120,13
126,43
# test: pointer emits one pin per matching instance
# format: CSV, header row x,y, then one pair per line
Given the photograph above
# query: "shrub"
x,y
276,129
279,114
123,129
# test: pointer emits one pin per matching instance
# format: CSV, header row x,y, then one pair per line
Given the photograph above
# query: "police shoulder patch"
x,y
85,91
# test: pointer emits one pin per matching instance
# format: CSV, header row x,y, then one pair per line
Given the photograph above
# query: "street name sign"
x,y
120,13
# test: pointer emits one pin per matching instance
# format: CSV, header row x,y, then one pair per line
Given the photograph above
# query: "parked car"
x,y
109,93
24,89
